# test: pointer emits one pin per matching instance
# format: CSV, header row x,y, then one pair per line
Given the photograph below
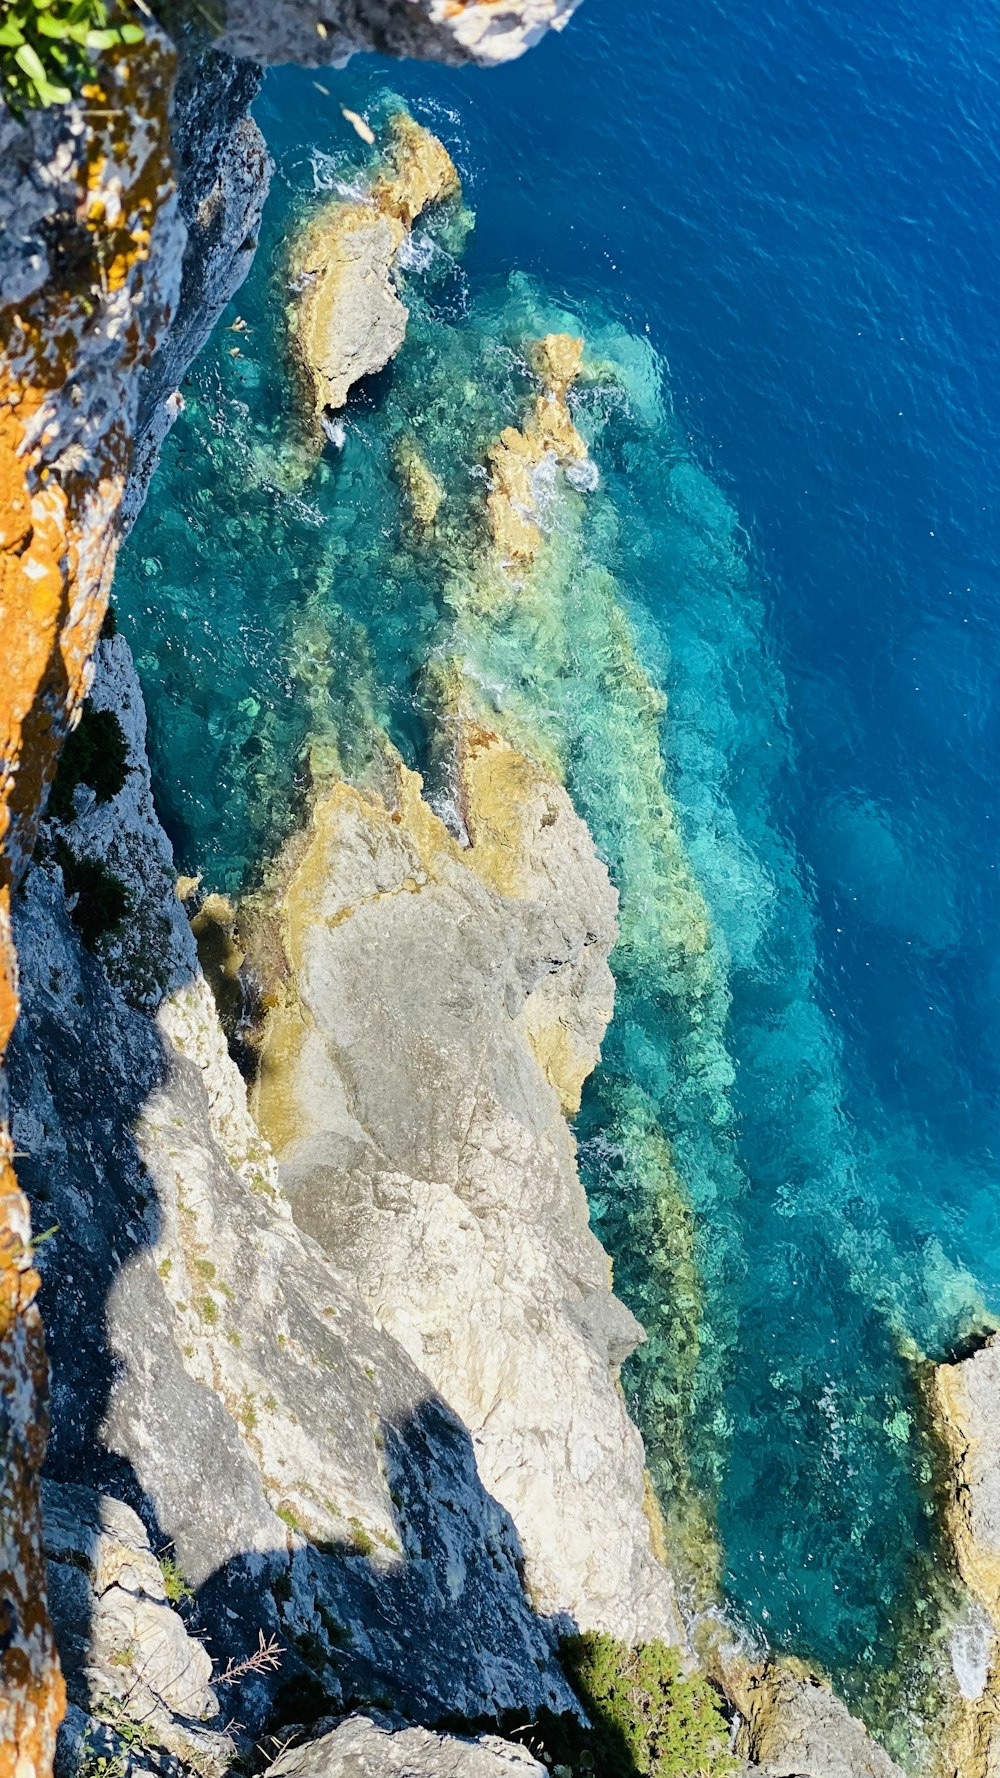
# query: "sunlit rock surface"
x,y
435,30
421,1142
966,1396
384,1747
346,318
213,1365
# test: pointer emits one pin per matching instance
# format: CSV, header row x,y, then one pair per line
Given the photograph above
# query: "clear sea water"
x,y
776,227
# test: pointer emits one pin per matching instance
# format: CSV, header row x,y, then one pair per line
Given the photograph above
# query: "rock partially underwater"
x,y
966,1399
346,319
403,1086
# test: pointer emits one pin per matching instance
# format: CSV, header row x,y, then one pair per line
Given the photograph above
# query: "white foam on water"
x,y
969,1646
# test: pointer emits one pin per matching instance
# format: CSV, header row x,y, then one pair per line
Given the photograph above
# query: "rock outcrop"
x,y
794,1725
518,458
214,1367
90,246
346,319
223,173
419,1140
125,1651
380,1746
481,31
966,1401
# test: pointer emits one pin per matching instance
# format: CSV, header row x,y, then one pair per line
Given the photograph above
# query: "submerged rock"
x,y
346,318
548,434
419,1141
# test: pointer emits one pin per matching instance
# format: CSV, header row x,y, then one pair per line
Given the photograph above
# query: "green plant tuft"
x,y
48,47
96,753
648,1718
178,1590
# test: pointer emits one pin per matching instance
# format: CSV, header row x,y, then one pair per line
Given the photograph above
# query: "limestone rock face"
x,y
380,1746
346,319
120,1640
212,1367
966,1397
434,30
420,1142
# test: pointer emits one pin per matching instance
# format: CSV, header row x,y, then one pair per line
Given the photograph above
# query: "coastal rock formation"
x,y
796,1726
548,435
527,842
125,1651
346,319
966,1399
197,1337
385,1747
434,30
223,173
419,1140
90,245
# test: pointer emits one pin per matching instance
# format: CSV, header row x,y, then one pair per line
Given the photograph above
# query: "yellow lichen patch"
x,y
418,171
548,432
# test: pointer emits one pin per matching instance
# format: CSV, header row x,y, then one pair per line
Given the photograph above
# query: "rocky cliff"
x,y
335,1425
100,310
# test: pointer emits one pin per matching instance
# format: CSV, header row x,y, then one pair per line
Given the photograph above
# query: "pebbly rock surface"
x,y
379,1746
420,1141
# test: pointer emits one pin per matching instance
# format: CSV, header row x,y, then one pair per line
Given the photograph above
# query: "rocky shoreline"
x,y
335,1429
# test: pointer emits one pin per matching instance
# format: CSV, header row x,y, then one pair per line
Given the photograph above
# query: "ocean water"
x,y
775,228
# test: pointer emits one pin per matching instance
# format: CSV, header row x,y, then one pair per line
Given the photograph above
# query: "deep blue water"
x,y
794,209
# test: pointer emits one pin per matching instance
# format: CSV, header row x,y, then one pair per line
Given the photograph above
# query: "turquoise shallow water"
x,y
789,1143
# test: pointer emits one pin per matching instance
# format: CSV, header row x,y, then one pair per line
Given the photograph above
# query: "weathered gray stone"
x,y
223,175
797,1728
125,1651
378,1746
213,1367
421,1143
436,30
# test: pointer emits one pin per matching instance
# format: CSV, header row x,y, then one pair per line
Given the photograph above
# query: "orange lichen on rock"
x,y
69,352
